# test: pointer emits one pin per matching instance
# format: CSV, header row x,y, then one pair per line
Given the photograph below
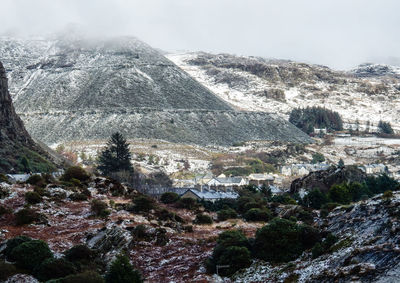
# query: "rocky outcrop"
x,y
15,142
76,89
325,179
366,251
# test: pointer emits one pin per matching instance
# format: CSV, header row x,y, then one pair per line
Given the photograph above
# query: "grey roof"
x,y
211,194
229,180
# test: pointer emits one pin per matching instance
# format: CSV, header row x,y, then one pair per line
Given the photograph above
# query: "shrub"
x,y
99,208
121,271
340,194
236,258
75,172
314,199
143,203
283,240
232,249
385,128
53,268
78,197
80,253
5,210
317,250
140,232
13,243
317,158
26,216
387,195
33,197
257,214
36,180
85,277
225,214
203,219
188,203
6,270
166,215
3,178
169,197
31,254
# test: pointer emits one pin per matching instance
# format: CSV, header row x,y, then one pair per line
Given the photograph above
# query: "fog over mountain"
x,y
340,33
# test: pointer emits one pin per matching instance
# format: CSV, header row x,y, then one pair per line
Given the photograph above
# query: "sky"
x,y
338,33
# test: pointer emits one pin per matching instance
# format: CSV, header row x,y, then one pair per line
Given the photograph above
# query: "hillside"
x,y
367,93
68,88
15,143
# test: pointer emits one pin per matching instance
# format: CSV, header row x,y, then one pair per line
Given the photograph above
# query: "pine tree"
x,y
121,271
116,157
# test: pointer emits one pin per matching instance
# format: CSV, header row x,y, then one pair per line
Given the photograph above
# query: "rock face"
x,y
323,180
15,141
73,89
366,251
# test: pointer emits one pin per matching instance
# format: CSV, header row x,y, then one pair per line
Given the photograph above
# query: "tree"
x,y
341,163
121,271
116,157
385,128
317,158
315,199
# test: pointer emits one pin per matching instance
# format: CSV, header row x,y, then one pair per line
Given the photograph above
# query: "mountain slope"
x,y
367,93
15,142
73,89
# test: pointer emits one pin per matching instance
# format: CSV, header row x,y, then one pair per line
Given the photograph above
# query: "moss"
x,y
345,243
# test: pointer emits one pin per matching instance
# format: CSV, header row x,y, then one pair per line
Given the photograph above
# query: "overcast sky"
x,y
337,33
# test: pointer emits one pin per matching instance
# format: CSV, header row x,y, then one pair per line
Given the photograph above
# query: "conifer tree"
x,y
116,157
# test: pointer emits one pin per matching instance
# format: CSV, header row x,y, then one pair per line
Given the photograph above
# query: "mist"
x,y
340,34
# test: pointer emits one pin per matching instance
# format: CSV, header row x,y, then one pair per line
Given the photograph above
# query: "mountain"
x,y
366,93
15,143
68,88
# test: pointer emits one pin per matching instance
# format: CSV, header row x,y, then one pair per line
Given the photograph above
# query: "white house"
x,y
209,195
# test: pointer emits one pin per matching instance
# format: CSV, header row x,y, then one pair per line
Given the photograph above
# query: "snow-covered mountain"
x,y
70,88
367,93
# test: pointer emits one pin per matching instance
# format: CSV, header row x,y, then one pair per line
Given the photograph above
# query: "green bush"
x,y
53,268
165,215
188,203
232,249
6,270
121,271
78,197
314,199
84,277
5,210
225,214
36,180
31,254
236,258
283,240
340,194
13,243
140,232
317,158
75,172
257,214
99,208
33,197
169,197
317,250
143,203
80,253
203,219
26,216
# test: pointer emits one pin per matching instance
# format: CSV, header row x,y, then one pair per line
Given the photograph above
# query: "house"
x,y
261,179
227,182
303,169
372,169
203,179
209,195
320,131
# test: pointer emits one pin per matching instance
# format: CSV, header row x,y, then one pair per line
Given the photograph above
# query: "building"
x,y
261,179
303,169
209,195
229,182
374,169
14,178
